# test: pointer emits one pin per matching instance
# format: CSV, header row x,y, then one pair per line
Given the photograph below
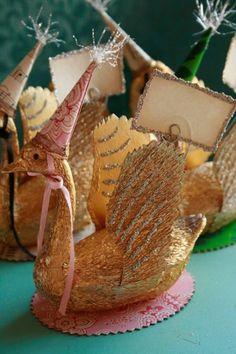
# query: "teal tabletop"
x,y
206,326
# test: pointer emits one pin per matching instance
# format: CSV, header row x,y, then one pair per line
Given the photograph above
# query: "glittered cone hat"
x,y
214,15
136,57
56,134
13,85
211,17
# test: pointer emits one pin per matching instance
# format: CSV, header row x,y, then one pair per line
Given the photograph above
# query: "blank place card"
x,y
201,115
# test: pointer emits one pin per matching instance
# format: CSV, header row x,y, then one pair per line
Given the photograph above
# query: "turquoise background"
x,y
206,326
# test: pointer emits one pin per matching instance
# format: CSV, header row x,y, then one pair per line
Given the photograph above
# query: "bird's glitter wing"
x,y
144,206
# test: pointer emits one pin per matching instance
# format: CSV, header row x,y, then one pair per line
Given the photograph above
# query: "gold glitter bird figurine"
x,y
144,246
19,222
26,220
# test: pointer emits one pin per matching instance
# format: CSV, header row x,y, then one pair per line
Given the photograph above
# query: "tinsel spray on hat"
x,y
210,17
136,57
13,85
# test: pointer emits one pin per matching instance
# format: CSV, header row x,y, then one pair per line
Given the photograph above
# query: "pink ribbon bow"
x,y
54,183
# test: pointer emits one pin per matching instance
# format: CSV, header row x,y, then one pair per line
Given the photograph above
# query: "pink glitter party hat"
x,y
57,133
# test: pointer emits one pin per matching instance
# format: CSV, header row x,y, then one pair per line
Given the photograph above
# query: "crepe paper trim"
x,y
221,96
222,238
127,318
14,253
64,55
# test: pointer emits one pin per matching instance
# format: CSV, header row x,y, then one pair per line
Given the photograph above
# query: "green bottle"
x,y
215,14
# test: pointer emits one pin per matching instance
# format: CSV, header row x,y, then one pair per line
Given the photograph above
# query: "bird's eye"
x,y
36,156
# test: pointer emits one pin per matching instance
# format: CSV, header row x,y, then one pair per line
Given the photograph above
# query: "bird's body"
x,y
211,188
144,246
98,271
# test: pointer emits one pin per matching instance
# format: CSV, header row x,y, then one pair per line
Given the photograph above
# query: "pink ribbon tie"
x,y
54,183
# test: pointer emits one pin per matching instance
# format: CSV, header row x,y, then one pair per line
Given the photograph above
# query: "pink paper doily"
x,y
127,318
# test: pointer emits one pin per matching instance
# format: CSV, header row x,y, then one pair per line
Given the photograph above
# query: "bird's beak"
x,y
16,166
